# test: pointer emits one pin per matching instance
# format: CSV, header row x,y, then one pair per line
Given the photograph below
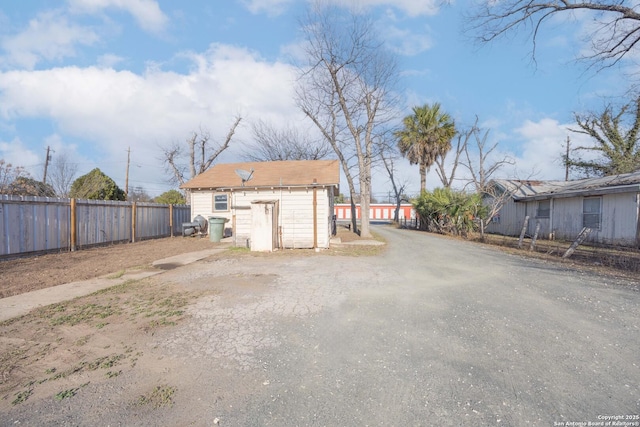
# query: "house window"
x,y
591,212
220,202
544,209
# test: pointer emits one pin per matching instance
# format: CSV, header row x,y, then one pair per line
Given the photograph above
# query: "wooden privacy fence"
x,y
41,224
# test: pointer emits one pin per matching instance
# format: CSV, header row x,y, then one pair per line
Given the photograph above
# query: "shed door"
x,y
264,225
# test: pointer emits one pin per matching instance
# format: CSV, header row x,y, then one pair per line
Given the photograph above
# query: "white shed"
x,y
609,205
298,196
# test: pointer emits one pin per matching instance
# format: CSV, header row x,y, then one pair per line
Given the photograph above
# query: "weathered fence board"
x,y
153,220
103,221
41,224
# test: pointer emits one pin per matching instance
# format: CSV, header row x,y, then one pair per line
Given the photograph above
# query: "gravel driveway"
x,y
434,331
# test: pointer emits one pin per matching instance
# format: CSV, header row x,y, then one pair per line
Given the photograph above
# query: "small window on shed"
x,y
592,212
220,202
544,209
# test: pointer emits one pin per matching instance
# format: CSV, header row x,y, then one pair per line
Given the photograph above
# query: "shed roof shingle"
x,y
269,174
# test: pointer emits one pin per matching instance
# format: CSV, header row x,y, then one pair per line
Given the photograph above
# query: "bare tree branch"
x,y
616,33
173,155
9,174
388,156
440,161
616,140
288,143
62,174
481,166
345,89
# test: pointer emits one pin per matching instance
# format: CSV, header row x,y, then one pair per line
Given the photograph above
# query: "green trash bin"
x,y
216,228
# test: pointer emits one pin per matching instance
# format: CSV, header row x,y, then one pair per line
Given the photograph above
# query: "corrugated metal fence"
x,y
41,224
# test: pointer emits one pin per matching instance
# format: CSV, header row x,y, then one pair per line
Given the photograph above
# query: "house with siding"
x,y
609,206
292,200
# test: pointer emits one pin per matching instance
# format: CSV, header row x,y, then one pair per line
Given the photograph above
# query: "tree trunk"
x,y
423,178
365,202
354,215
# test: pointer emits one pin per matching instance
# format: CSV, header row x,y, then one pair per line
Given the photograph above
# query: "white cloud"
x,y
49,36
406,42
543,147
146,12
18,154
410,7
109,60
112,110
270,7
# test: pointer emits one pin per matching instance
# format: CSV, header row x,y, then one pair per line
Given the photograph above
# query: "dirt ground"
x,y
104,341
29,274
99,354
32,273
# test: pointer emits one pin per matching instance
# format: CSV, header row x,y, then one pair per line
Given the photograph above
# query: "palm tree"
x,y
426,134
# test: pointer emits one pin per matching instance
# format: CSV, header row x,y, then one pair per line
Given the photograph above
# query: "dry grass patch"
x,y
56,350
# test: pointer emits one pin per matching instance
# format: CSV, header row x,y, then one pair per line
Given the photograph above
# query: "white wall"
x,y
295,218
202,204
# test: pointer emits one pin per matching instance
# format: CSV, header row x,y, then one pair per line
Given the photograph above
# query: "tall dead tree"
x,y
482,164
200,152
345,89
447,177
62,173
480,159
398,186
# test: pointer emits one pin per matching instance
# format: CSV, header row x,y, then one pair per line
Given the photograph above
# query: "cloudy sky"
x,y
93,78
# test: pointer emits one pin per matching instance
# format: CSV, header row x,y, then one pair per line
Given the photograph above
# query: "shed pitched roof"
x,y
269,174
532,190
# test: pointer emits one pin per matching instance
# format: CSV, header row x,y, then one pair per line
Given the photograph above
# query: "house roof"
x,y
287,173
540,190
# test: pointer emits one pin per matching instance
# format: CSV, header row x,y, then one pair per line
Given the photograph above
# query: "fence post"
x,y
524,230
171,220
581,238
73,226
535,236
133,222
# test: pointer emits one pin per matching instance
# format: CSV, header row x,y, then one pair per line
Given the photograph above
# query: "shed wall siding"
x,y
201,204
567,218
295,216
511,218
619,221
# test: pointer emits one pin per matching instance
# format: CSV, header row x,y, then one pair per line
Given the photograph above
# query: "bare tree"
x,y
448,179
389,156
62,174
9,174
138,194
201,152
481,165
345,89
616,33
288,143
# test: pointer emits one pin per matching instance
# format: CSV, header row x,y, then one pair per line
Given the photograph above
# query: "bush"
x,y
171,197
448,211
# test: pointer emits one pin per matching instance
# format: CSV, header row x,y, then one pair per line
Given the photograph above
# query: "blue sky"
x,y
91,78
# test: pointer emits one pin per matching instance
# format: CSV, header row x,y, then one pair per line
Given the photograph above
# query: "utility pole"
x,y
126,180
46,165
